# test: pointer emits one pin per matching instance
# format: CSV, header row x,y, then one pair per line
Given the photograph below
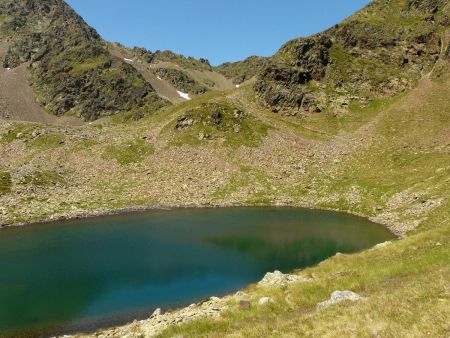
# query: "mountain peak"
x,y
70,68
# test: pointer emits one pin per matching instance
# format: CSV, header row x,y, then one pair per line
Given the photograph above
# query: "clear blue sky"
x,y
219,30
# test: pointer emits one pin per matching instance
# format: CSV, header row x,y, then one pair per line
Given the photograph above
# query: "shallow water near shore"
x,y
91,273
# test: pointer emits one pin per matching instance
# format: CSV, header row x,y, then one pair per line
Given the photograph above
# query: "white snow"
x,y
237,86
128,60
184,95
158,78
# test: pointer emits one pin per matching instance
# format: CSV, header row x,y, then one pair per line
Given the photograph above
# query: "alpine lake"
x,y
86,274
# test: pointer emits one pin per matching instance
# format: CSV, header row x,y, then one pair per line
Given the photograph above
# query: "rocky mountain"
x,y
377,53
70,70
243,71
170,73
354,119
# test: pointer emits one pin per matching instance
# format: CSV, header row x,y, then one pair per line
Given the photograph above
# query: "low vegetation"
x,y
355,119
128,152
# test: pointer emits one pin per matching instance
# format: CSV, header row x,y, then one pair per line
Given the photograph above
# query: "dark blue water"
x,y
85,274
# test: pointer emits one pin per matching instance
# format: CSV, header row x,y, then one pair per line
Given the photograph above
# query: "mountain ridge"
x,y
378,148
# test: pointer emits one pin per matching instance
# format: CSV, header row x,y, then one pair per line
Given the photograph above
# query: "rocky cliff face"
x,y
70,69
377,53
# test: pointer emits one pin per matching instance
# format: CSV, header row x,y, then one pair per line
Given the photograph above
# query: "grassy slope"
x,y
406,283
389,161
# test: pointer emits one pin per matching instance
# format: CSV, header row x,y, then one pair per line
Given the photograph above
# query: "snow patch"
x,y
128,60
159,78
184,95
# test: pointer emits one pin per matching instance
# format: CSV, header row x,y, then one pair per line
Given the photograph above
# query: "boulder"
x,y
156,313
339,296
278,278
265,301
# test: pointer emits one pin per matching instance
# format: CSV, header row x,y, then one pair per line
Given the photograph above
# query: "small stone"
x,y
156,313
245,305
240,294
265,300
339,296
382,245
217,117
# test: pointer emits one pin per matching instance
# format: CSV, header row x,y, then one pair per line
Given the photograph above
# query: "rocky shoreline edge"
x,y
132,209
214,306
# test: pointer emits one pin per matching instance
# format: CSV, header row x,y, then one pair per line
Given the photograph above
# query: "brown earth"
x,y
18,101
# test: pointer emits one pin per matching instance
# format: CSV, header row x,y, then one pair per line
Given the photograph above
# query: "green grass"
x,y
3,18
5,182
129,152
400,300
46,142
89,64
232,131
18,130
45,178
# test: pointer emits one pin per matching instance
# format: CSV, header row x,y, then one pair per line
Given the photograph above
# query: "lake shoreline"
x,y
133,209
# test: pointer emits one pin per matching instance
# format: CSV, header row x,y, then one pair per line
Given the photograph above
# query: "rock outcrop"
x,y
361,59
279,278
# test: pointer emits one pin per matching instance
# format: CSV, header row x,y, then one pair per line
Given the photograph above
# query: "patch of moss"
x,y
43,178
130,152
17,131
47,141
83,145
89,64
5,182
3,18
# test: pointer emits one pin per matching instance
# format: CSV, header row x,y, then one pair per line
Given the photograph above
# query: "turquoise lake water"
x,y
82,275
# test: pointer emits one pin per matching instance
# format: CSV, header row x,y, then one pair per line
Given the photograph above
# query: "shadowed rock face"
x,y
377,53
70,69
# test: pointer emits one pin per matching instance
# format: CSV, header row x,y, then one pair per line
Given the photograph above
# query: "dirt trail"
x,y
17,99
